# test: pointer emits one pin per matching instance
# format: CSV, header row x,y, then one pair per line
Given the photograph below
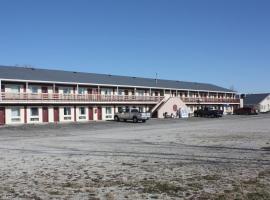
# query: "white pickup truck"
x,y
133,115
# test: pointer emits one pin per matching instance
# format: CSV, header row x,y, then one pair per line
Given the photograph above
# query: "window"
x,y
82,110
15,88
140,93
67,111
34,89
66,90
15,114
34,114
134,111
108,112
81,91
107,91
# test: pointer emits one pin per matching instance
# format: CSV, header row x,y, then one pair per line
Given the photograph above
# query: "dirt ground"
x,y
226,158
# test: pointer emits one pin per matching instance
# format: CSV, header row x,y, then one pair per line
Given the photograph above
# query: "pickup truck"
x,y
133,115
208,112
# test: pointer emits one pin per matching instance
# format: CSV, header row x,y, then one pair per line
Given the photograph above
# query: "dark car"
x,y
208,112
245,111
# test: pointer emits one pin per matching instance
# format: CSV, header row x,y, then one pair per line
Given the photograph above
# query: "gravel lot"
x,y
226,158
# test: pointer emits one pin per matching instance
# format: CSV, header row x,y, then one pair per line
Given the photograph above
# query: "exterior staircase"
x,y
169,105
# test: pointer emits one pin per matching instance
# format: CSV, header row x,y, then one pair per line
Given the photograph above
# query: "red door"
x,y
99,113
56,114
45,114
2,116
90,113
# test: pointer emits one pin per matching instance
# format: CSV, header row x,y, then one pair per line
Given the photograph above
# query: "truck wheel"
x,y
135,120
143,121
116,118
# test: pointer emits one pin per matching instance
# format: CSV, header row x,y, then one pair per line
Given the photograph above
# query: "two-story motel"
x,y
30,95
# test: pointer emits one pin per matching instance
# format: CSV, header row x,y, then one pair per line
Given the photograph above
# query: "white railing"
x,y
56,97
209,100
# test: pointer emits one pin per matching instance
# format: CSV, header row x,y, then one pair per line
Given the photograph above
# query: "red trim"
x,y
2,116
90,113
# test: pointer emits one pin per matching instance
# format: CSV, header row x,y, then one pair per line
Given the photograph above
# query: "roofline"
x,y
111,85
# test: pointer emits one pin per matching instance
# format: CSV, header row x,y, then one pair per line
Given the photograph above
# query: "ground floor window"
x,y
67,113
82,113
34,114
15,114
108,113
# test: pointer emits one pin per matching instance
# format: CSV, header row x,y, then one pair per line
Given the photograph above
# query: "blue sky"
x,y
225,42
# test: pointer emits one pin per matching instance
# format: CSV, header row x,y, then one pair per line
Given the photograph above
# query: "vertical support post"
x,y
26,87
117,90
54,88
150,92
77,89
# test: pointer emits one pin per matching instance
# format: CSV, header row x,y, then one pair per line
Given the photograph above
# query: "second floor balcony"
x,y
91,98
208,100
98,98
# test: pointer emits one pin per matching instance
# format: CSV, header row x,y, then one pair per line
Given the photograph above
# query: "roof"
x,y
255,99
36,74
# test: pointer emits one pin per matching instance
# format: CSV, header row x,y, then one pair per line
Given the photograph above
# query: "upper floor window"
x,y
15,88
81,91
66,90
34,89
140,93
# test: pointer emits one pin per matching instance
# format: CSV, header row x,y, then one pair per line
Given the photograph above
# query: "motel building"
x,y
30,95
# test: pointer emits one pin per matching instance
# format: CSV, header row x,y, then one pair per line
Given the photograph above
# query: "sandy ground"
x,y
225,158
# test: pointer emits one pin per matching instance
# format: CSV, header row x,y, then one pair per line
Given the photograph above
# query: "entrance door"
x,y
99,113
44,90
45,114
56,114
2,116
91,113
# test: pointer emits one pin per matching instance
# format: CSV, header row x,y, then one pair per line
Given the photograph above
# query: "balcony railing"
x,y
210,100
56,97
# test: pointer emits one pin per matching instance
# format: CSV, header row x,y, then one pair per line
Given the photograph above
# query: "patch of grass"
x,y
258,195
70,185
211,177
161,187
195,186
263,174
54,192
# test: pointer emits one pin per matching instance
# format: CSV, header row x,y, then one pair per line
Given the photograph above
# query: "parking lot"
x,y
194,158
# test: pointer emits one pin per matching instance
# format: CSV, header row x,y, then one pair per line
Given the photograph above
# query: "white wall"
x,y
78,114
61,114
168,106
104,113
265,105
40,120
8,115
8,87
51,114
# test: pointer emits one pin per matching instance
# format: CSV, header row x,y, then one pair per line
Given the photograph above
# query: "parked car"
x,y
245,111
208,112
132,114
